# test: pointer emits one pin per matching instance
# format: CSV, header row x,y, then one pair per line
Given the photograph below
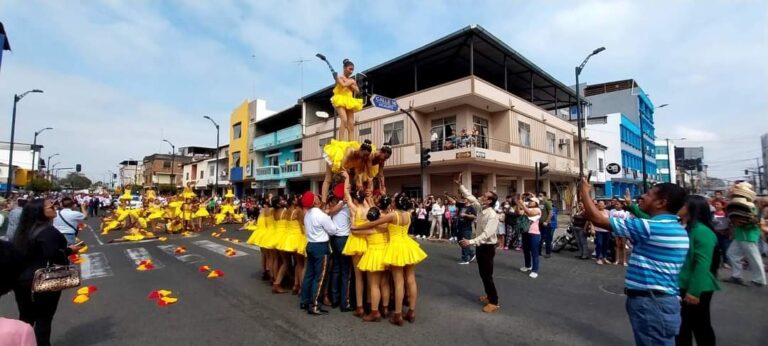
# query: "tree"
x,y
75,181
38,185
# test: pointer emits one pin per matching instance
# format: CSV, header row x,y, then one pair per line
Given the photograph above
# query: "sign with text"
x,y
480,154
613,168
385,102
464,155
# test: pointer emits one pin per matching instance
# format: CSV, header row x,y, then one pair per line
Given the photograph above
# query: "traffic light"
x,y
543,168
425,157
78,168
746,172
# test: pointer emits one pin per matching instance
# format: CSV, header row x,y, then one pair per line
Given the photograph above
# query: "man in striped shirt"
x,y
660,246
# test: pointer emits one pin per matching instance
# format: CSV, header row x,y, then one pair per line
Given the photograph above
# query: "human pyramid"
x,y
367,230
184,212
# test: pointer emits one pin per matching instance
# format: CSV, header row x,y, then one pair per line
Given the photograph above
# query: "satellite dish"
x,y
322,115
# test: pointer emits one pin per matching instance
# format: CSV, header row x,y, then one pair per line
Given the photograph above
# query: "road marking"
x,y
139,254
95,265
95,235
217,248
245,245
150,240
170,249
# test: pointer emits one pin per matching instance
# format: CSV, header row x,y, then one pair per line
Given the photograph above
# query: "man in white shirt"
x,y
67,219
340,264
318,225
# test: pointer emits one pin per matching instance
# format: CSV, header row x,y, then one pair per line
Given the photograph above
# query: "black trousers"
x,y
38,311
696,322
485,254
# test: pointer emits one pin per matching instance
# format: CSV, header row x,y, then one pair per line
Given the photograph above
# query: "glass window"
x,y
237,130
324,141
444,134
273,160
600,165
166,164
297,156
550,142
186,177
236,159
393,133
363,132
481,131
524,132
202,174
211,170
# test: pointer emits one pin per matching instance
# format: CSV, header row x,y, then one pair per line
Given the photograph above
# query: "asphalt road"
x,y
572,302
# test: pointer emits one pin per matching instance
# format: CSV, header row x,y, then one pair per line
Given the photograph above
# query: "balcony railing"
x,y
278,138
459,142
284,171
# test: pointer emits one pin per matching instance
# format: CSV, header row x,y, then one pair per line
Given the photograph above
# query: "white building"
x,y
596,165
130,172
202,172
665,161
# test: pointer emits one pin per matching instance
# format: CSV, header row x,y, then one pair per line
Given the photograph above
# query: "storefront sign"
x,y
464,155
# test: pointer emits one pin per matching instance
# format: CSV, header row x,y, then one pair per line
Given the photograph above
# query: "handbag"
x,y
54,278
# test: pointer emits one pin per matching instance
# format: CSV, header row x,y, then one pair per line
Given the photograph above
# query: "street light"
x,y
642,150
34,146
216,184
173,161
578,111
52,168
16,99
48,164
669,157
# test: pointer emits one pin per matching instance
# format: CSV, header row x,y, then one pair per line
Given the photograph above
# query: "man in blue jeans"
x,y
660,246
317,224
466,215
340,264
545,225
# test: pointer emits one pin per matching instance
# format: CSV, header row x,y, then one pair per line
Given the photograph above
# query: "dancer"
x,y
344,102
374,174
402,255
352,157
259,238
372,261
282,258
294,243
201,213
356,244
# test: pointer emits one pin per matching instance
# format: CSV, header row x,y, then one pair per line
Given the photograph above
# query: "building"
x,y
22,163
689,163
130,172
631,113
596,165
467,80
202,172
665,161
163,169
277,154
241,134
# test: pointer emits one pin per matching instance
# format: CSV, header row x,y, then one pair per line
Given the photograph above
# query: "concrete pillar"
x,y
466,179
426,184
490,183
520,185
546,185
314,185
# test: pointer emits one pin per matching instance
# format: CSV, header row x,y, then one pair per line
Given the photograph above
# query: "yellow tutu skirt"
x,y
258,234
293,241
373,258
111,225
275,237
156,215
202,212
356,245
334,151
342,97
403,251
187,215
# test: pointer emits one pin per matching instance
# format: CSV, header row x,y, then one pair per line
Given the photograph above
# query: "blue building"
x,y
622,120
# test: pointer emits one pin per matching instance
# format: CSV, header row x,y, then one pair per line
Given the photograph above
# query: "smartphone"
x,y
589,176
79,243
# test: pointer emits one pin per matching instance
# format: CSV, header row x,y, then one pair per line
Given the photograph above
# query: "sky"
x,y
120,76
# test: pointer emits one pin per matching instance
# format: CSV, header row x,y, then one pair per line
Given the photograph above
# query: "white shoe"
x,y
472,259
525,269
533,275
463,262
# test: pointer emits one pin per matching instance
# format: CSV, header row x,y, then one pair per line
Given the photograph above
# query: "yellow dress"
x,y
155,212
294,239
342,97
176,207
188,194
334,151
402,250
356,245
373,258
202,211
258,234
272,236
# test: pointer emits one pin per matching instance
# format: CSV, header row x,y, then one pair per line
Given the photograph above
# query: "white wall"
x,y
595,154
608,135
672,166
21,158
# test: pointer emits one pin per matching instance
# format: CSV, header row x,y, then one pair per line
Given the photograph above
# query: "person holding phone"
x,y
67,220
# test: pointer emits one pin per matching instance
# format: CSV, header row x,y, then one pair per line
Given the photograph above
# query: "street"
x,y
572,302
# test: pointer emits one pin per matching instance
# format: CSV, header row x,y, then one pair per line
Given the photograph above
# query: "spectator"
x,y
532,238
68,219
697,278
621,242
436,214
12,332
581,230
451,214
722,227
545,224
422,223
660,247
464,141
502,230
473,138
466,216
3,217
602,237
40,244
13,218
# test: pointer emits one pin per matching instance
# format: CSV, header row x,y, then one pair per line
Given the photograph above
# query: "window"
x,y
551,142
524,132
662,150
202,174
186,176
297,155
236,159
363,132
273,158
393,133
324,141
166,164
481,125
444,134
600,165
237,130
211,171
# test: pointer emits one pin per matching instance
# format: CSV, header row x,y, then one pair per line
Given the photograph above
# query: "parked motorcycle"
x,y
565,240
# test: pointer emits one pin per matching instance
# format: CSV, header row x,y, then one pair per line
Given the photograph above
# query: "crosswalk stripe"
x,y
95,265
139,254
245,245
170,249
217,248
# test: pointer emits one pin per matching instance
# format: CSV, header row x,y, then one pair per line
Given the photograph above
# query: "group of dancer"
x,y
184,212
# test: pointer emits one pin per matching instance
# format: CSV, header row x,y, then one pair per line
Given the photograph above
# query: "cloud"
x,y
696,135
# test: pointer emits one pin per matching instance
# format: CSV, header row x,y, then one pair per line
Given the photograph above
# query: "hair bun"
x,y
367,141
373,214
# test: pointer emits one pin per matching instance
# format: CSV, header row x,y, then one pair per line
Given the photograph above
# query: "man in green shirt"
x,y
744,245
545,225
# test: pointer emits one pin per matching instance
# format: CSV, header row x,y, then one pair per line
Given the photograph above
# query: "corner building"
x,y
467,80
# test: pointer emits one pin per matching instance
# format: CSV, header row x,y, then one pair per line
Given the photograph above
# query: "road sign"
x,y
385,102
613,168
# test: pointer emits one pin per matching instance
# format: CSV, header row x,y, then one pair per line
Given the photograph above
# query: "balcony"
x,y
286,136
285,171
